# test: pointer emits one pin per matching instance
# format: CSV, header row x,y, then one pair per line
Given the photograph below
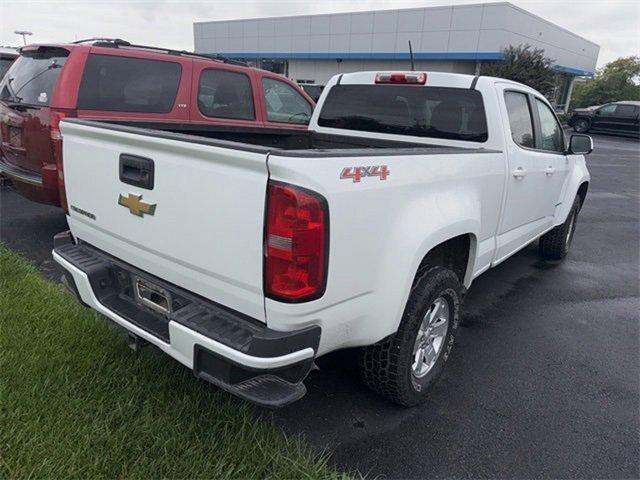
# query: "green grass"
x,y
75,401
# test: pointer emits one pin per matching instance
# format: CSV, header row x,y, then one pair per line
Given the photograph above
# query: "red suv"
x,y
114,80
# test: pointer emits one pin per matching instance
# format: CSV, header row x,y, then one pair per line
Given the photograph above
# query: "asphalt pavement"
x,y
543,382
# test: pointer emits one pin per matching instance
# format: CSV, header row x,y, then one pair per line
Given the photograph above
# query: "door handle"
x,y
550,171
136,171
519,173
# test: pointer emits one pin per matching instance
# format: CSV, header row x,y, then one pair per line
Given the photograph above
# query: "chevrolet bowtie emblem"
x,y
135,205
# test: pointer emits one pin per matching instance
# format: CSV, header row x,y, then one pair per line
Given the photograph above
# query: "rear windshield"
x,y
32,77
436,112
123,84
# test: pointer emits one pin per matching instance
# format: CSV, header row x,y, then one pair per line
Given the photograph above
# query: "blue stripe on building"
x,y
367,55
472,56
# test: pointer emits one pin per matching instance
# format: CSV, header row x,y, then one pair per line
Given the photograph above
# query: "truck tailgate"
x,y
198,226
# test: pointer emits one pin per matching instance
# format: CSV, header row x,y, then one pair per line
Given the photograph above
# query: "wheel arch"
x,y
586,118
454,246
456,253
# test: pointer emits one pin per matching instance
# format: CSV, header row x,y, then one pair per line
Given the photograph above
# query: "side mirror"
x,y
580,145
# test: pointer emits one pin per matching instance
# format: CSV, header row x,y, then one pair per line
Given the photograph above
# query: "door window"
x,y
225,94
284,103
626,111
551,132
520,119
608,110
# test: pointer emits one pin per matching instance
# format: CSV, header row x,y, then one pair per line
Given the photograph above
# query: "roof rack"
x,y
222,58
112,41
118,42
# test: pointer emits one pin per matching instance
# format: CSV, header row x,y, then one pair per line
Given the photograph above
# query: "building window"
x,y
275,66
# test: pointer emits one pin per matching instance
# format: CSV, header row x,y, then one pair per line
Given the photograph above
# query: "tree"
x,y
524,64
617,80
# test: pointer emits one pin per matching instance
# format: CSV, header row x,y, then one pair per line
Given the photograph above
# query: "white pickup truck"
x,y
245,255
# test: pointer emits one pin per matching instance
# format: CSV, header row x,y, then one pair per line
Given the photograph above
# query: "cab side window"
x,y
626,111
520,118
551,132
284,103
225,94
608,110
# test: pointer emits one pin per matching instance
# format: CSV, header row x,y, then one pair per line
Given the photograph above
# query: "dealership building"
x,y
313,48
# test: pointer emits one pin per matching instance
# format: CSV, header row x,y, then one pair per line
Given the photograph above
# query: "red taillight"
x,y
415,78
54,123
296,243
56,149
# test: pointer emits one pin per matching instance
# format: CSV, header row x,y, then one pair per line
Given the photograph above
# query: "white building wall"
x,y
461,32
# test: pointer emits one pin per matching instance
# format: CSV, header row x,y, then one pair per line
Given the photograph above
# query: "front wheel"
x,y
554,245
581,126
404,366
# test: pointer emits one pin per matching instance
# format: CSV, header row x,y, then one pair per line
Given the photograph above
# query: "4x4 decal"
x,y
358,173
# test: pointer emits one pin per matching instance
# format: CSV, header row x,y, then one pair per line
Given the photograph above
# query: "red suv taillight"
x,y
56,148
296,243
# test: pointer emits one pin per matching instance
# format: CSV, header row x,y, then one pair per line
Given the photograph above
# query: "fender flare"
x,y
579,179
464,227
469,227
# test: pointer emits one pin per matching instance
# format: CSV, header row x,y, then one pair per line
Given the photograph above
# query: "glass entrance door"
x,y
275,66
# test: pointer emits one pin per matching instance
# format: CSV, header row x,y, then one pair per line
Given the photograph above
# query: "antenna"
x,y
413,67
24,34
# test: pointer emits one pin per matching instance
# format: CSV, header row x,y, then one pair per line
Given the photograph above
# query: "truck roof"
x,y
434,79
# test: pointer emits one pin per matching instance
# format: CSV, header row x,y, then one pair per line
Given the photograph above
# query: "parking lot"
x,y
544,381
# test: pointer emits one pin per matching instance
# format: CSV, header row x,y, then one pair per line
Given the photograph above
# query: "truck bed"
x,y
278,141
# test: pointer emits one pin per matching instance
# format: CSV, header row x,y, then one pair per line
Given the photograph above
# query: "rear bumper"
x,y
20,174
226,348
39,187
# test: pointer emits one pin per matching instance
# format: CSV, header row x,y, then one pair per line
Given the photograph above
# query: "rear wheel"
x,y
404,366
581,126
554,245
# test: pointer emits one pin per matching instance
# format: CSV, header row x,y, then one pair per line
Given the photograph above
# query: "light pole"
x,y
24,34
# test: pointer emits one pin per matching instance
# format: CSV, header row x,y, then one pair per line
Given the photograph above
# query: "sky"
x,y
613,24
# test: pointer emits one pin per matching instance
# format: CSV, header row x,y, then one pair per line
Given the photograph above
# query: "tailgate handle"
x,y
136,171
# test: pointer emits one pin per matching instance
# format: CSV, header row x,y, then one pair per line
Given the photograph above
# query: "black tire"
x,y
581,126
386,367
554,245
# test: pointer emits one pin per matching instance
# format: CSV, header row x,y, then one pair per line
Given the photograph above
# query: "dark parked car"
x,y
621,118
314,91
7,56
